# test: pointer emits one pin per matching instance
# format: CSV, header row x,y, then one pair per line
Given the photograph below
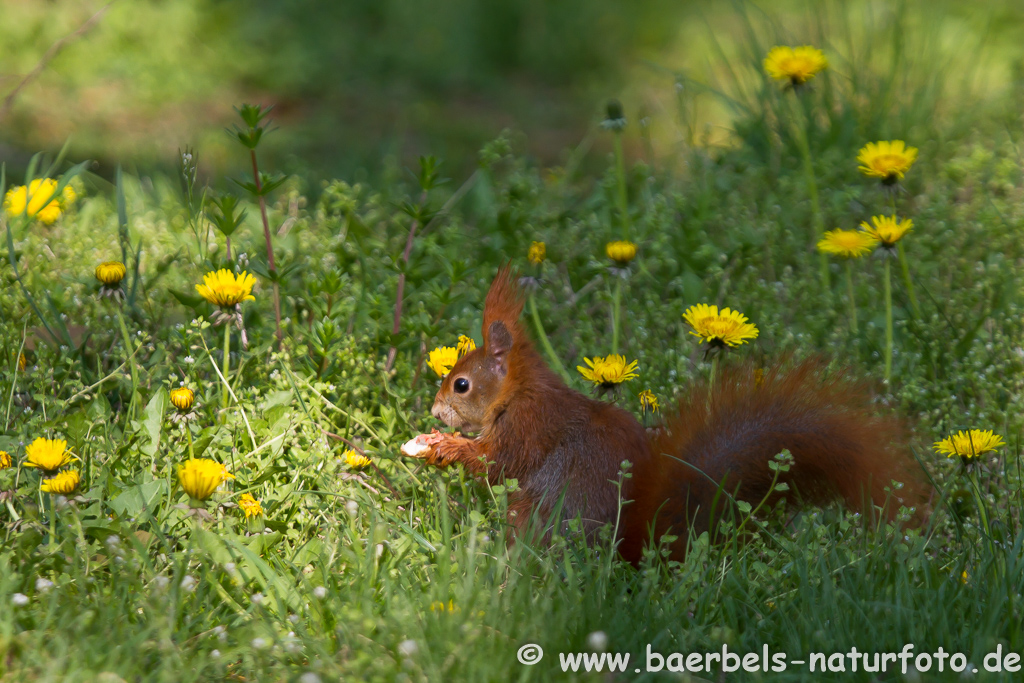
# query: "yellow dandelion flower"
x,y
200,477
720,329
22,362
964,577
183,398
465,345
35,201
48,455
355,460
622,252
5,460
847,243
443,359
648,401
538,252
797,65
969,444
250,506
64,483
110,273
888,229
886,160
226,289
608,371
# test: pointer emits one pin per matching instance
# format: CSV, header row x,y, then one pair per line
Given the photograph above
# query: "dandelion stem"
x,y
888,321
616,314
131,360
714,371
545,342
226,366
849,295
620,172
188,433
804,144
53,523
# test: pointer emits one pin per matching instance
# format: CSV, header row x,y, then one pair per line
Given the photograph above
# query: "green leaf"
x,y
154,421
132,501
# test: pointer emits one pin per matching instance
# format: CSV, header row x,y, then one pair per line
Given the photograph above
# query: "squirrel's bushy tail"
x,y
840,449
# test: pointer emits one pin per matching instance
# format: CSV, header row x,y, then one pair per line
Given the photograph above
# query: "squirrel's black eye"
x,y
461,385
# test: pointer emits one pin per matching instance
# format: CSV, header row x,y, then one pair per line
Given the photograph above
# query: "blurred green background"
x,y
362,85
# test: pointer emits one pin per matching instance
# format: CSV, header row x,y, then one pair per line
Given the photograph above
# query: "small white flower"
x,y
190,360
113,540
188,584
215,654
229,567
259,643
407,648
352,507
597,641
19,599
293,618
320,592
43,585
257,598
161,581
309,677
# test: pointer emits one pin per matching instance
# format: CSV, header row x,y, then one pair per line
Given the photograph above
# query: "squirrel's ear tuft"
x,y
499,343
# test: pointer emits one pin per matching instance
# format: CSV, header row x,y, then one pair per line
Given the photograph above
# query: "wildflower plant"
x,y
720,330
796,67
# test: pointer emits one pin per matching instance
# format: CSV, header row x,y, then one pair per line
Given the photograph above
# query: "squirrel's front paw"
x,y
437,448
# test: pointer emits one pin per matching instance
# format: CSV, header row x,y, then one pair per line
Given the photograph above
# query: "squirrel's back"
x,y
840,449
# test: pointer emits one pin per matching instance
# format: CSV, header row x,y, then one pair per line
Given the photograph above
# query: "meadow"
x,y
230,502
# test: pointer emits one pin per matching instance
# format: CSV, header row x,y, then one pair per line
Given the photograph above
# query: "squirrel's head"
x,y
474,384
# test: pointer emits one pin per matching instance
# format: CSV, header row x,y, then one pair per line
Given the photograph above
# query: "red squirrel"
x,y
566,449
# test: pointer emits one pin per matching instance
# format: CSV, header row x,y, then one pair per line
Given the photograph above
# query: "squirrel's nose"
x,y
436,411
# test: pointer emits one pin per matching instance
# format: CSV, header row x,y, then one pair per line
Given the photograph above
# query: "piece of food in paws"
x,y
419,445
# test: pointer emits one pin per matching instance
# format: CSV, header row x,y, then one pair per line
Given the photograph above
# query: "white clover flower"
x,y
43,585
257,598
320,592
19,599
259,643
309,677
215,654
188,584
407,648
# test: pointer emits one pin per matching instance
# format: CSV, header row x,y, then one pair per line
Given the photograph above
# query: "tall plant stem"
x,y
620,173
616,314
907,281
226,365
714,371
188,433
545,342
888,320
270,244
803,142
53,522
903,264
400,293
849,296
130,357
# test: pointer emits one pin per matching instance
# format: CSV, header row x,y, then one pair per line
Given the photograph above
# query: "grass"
x,y
399,572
